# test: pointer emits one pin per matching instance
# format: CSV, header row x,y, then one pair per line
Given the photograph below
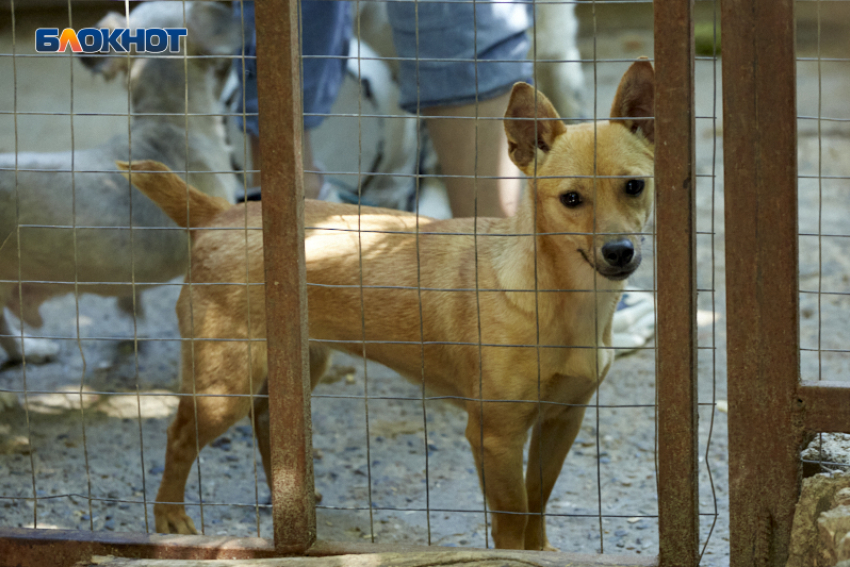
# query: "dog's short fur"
x,y
589,245
38,194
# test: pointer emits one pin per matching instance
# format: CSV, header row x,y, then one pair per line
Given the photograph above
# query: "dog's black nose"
x,y
618,252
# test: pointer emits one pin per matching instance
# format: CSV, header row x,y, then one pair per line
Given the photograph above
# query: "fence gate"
x,y
769,408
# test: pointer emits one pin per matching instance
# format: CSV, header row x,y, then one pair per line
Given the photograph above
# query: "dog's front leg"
x,y
498,457
551,440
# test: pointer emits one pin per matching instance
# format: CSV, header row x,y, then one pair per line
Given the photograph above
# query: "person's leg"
x,y
467,56
326,30
476,148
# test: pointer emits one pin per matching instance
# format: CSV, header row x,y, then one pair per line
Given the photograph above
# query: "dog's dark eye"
x,y
571,199
634,187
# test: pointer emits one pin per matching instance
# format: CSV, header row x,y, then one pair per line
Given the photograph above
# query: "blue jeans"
x,y
463,52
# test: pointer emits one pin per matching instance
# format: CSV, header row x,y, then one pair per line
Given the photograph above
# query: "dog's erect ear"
x,y
537,127
108,66
213,30
634,104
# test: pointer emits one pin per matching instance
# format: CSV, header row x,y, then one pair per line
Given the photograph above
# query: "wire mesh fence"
x,y
85,433
821,67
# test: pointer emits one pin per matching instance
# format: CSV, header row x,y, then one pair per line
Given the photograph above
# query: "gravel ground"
x,y
91,444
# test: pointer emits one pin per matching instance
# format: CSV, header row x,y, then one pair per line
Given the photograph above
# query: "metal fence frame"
x,y
770,409
283,226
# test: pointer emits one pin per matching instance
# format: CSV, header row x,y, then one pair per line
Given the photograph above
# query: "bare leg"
x,y
312,181
454,141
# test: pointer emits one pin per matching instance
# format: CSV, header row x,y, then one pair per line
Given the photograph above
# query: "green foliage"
x,y
704,39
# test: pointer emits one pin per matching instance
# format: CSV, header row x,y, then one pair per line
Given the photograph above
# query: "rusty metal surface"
x,y
279,89
675,186
760,161
825,406
20,547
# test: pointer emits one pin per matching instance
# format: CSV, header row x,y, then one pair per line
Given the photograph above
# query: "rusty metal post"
x,y
675,187
279,90
760,161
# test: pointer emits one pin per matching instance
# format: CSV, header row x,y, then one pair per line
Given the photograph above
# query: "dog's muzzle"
x,y
619,259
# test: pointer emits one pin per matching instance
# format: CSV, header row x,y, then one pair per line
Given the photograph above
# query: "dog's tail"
x,y
186,206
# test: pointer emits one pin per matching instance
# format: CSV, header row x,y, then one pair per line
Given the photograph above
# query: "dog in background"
x,y
40,191
590,192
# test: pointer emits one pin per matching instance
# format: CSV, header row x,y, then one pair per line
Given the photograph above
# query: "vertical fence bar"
x,y
279,96
678,481
760,160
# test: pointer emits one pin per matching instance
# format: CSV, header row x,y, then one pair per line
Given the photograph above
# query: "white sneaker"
x,y
634,321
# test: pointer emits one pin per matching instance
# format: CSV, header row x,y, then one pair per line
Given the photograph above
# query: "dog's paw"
x,y
36,351
174,522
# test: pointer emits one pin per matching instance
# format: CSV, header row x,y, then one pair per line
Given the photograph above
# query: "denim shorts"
x,y
463,51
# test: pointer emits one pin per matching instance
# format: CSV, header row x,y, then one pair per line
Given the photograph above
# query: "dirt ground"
x,y
90,445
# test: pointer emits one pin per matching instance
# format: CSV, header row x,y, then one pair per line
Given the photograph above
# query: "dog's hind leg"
x,y
319,361
132,308
550,442
220,372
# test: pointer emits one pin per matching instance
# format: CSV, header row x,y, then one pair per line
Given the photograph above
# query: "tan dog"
x,y
593,194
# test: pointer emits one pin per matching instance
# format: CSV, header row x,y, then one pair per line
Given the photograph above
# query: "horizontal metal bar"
x,y
64,548
825,406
